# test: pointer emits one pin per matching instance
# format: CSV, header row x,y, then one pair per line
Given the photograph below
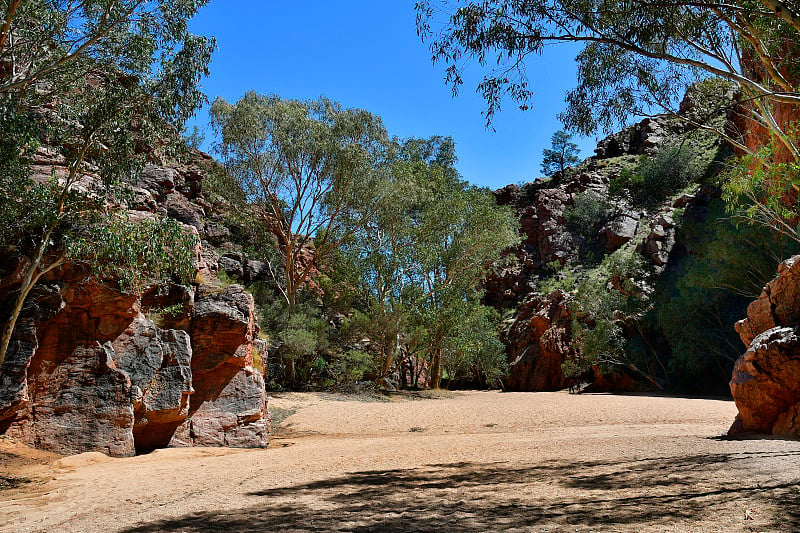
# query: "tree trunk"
x,y
387,361
8,331
32,275
290,371
436,369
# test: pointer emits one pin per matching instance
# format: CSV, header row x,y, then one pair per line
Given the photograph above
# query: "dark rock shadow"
x,y
493,497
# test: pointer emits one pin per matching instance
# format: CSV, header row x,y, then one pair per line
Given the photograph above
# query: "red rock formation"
x,y
755,135
73,398
87,369
538,342
228,407
89,372
158,364
766,379
778,305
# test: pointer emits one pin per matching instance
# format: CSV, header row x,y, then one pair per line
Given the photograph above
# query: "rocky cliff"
x,y
537,288
91,368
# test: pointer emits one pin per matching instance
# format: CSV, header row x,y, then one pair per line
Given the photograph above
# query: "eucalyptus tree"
x,y
381,252
461,234
424,254
639,56
106,84
304,165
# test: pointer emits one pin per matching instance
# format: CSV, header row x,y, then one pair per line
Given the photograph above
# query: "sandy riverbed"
x,y
476,461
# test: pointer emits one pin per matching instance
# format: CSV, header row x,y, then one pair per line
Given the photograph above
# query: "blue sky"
x,y
366,54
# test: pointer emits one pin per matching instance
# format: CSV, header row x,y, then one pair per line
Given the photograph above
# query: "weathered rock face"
x,y
94,369
552,249
74,398
619,230
766,379
89,372
158,364
538,342
228,407
778,305
659,242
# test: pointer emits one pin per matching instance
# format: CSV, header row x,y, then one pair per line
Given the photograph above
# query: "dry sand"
x,y
476,461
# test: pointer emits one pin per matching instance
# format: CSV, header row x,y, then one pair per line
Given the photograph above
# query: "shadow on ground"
x,y
495,497
12,482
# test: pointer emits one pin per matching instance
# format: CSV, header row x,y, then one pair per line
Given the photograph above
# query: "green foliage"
x,y
707,292
224,279
632,57
351,366
302,336
99,80
666,173
586,214
760,187
193,139
160,316
219,185
660,176
604,300
472,352
627,180
134,253
601,345
562,154
561,278
307,166
421,256
145,43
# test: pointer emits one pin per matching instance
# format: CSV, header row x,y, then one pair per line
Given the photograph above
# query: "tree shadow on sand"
x,y
496,497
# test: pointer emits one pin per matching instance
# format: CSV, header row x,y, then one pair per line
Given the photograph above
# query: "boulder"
x,y
159,181
87,371
232,266
158,364
778,305
72,398
766,384
43,304
256,271
659,243
766,379
182,210
618,231
234,417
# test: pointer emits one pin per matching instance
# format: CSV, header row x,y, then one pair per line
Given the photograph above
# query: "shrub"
x,y
351,366
562,280
586,214
628,180
666,173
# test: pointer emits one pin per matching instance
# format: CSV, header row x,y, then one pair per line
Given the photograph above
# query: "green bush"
x,y
658,177
666,173
586,214
562,280
351,366
628,180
